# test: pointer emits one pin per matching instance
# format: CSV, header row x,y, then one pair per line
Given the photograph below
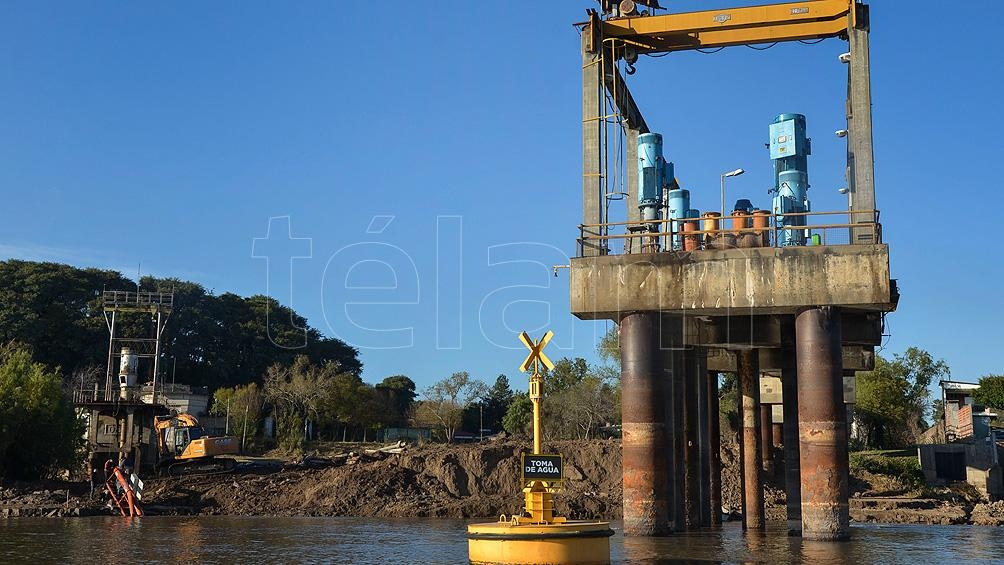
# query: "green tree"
x,y
609,348
566,372
39,431
893,400
214,341
518,419
298,393
991,392
497,401
242,404
398,394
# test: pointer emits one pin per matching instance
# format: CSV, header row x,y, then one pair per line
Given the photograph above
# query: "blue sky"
x,y
429,155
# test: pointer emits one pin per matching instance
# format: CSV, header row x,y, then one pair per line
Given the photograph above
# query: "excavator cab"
x,y
177,439
185,448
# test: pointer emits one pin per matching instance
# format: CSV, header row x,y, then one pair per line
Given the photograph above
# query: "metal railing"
x,y
689,234
126,298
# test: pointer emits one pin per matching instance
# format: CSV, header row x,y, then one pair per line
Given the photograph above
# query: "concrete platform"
x,y
758,281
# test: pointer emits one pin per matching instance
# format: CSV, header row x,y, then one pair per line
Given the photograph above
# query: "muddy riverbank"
x,y
456,481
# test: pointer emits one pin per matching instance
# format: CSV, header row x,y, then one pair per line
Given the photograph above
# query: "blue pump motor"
x,y
790,149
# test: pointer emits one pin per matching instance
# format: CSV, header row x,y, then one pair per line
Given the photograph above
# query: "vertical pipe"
x,y
703,429
766,442
749,447
691,446
537,427
776,434
156,354
643,447
714,450
822,425
789,395
678,414
673,352
111,355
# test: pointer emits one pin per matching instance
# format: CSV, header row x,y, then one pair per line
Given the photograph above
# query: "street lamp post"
x,y
734,173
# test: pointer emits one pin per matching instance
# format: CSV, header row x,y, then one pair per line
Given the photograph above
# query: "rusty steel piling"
x,y
792,475
674,352
822,425
644,442
748,367
714,451
766,439
789,395
691,442
703,428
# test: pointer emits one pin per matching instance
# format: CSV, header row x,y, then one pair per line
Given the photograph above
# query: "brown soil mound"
x,y
435,480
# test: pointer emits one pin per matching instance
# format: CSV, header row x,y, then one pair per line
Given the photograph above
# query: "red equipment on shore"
x,y
128,501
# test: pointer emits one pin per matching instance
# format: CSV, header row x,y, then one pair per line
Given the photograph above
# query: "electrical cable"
x,y
706,52
762,48
811,42
656,56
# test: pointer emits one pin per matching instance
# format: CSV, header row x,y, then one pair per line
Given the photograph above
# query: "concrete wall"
x,y
983,469
765,280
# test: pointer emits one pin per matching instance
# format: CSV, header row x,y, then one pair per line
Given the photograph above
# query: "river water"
x,y
227,539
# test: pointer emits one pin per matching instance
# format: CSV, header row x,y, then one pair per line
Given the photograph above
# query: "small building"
x,y
180,398
970,451
955,396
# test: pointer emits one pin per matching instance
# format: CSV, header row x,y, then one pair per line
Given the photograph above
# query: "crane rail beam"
x,y
792,21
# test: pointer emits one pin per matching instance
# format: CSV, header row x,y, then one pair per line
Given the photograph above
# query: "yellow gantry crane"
x,y
624,30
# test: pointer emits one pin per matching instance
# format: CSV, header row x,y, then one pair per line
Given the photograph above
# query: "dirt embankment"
x,y
433,480
461,481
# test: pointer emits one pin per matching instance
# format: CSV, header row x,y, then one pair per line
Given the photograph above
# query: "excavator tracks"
x,y
214,466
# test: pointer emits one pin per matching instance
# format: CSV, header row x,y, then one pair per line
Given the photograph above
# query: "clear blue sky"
x,y
172,133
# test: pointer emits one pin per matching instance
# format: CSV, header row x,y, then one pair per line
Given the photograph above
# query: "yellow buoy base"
x,y
582,542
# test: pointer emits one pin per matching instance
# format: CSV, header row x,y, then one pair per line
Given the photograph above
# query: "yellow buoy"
x,y
539,536
573,541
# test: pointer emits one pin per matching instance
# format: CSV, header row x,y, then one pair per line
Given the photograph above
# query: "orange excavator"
x,y
186,449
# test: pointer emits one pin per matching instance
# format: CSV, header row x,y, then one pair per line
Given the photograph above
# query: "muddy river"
x,y
228,539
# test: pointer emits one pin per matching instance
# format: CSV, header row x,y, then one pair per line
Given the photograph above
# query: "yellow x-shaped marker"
x,y
536,350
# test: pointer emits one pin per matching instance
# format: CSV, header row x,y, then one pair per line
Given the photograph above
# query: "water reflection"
x,y
222,539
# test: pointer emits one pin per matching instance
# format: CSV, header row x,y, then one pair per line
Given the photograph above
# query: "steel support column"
x,y
766,439
748,365
644,444
822,425
714,450
674,352
703,429
789,395
692,441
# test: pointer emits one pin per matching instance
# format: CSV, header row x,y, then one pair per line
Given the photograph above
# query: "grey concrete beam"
x,y
757,281
633,214
592,135
860,154
855,358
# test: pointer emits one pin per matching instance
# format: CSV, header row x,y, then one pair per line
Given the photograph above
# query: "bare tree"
x,y
446,400
299,390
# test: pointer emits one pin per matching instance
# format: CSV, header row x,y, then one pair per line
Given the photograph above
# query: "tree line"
x,y
210,340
